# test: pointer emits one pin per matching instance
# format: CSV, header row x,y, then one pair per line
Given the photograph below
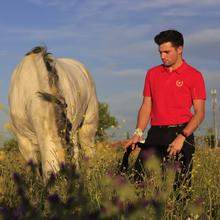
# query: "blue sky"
x,y
114,39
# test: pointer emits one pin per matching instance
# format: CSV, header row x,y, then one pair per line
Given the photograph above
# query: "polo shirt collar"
x,y
178,70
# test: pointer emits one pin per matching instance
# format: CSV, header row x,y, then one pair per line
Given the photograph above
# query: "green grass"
x,y
97,191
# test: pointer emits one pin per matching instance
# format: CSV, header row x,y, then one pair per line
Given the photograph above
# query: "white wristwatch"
x,y
138,132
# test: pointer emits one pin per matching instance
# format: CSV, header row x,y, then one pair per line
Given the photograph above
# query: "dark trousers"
x,y
157,142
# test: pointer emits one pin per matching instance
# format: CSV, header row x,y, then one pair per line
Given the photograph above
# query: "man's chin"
x,y
167,64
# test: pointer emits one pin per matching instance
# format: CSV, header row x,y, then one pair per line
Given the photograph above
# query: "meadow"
x,y
99,191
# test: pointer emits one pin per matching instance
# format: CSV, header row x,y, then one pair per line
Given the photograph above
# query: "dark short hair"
x,y
173,36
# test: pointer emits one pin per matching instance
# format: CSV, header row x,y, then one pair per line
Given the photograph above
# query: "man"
x,y
170,90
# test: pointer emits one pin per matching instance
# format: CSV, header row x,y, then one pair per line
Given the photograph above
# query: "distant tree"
x,y
105,121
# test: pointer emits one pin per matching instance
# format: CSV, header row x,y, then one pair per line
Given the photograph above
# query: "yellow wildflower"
x,y
2,155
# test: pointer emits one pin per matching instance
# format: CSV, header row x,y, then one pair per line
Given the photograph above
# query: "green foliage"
x,y
209,138
105,121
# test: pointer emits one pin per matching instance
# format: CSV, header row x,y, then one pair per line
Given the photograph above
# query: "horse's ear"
x,y
37,49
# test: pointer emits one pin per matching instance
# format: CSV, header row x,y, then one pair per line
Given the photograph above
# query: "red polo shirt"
x,y
172,93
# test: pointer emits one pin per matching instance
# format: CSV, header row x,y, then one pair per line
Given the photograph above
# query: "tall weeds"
x,y
99,191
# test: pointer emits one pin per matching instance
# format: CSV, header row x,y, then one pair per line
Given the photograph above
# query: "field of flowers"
x,y
99,191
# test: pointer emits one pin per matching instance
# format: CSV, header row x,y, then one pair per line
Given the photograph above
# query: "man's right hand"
x,y
133,142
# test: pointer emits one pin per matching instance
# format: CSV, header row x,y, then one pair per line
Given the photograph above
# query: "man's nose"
x,y
162,55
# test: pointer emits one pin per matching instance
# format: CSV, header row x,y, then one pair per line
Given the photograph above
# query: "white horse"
x,y
52,103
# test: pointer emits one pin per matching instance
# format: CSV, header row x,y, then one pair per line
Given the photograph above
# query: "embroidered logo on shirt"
x,y
179,83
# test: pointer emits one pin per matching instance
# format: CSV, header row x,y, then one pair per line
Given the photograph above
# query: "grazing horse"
x,y
53,104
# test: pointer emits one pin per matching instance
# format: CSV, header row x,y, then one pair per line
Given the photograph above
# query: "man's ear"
x,y
180,49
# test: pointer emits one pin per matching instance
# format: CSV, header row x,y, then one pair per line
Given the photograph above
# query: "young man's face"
x,y
169,54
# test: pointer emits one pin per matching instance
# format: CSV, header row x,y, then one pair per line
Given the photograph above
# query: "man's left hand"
x,y
176,146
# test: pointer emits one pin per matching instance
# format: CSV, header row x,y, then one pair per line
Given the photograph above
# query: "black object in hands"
x,y
124,165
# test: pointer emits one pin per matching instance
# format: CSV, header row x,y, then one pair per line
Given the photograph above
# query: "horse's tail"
x,y
64,125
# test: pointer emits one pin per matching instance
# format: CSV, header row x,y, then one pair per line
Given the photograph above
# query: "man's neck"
x,y
176,65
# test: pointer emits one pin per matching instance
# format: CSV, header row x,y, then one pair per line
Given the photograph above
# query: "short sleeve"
x,y
198,90
147,87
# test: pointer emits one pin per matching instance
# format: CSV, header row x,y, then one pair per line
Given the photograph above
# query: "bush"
x,y
105,121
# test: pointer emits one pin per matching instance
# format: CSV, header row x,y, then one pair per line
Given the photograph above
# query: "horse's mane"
x,y
64,125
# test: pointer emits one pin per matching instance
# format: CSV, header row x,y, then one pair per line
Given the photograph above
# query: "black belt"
x,y
170,126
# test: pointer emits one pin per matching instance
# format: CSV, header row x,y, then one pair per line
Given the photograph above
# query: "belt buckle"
x,y
172,126
175,126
